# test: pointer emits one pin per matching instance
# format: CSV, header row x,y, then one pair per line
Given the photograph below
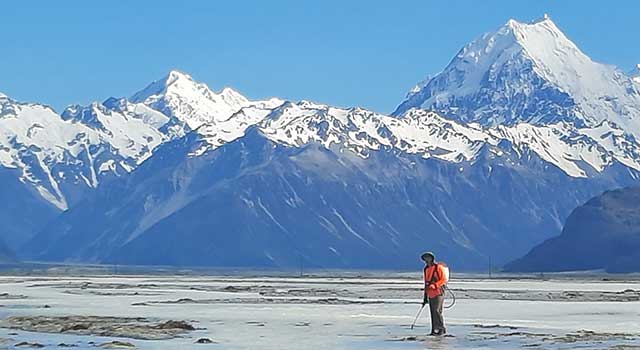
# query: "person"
x,y
434,281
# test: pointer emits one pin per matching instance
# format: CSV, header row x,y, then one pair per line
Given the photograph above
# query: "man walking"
x,y
435,278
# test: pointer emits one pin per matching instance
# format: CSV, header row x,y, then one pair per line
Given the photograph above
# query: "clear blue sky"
x,y
346,53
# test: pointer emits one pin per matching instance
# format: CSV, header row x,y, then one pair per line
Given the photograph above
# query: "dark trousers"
x,y
435,308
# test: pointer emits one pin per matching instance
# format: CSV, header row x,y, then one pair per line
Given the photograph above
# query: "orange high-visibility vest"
x,y
434,275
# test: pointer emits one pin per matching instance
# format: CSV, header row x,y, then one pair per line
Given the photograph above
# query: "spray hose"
x,y
453,297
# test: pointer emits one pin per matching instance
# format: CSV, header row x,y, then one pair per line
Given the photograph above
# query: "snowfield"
x,y
374,312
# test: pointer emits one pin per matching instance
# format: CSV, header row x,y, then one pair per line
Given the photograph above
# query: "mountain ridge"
x,y
172,153
254,189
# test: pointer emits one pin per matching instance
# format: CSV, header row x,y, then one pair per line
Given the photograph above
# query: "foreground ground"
x,y
373,312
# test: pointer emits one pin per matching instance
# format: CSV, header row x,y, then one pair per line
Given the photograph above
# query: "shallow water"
x,y
330,313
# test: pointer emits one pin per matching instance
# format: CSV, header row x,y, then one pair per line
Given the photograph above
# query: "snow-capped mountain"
x,y
51,153
61,157
332,186
193,103
178,95
133,129
47,164
523,123
529,72
342,188
114,136
576,151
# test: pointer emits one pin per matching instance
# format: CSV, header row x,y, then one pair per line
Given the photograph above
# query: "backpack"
x,y
445,270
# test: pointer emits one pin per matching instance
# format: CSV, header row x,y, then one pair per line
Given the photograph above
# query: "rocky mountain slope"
x,y
336,188
602,234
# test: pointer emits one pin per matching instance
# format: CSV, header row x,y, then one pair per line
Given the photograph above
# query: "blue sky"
x,y
345,53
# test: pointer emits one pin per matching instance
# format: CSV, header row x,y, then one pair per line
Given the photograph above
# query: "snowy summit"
x,y
177,94
529,72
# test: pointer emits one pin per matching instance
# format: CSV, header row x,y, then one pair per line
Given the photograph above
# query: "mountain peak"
x,y
174,80
232,96
544,21
178,95
178,79
175,74
528,72
537,35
